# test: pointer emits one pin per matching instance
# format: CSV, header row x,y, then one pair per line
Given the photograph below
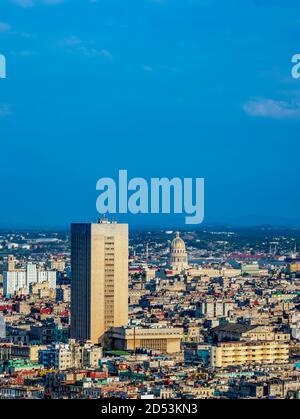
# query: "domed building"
x,y
178,254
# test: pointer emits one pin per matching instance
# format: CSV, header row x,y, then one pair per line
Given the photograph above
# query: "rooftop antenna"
x,y
102,219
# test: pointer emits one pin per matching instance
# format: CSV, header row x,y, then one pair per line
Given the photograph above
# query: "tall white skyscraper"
x,y
31,273
2,327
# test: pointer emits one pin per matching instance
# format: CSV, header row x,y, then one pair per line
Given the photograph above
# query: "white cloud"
x,y
269,108
93,52
105,53
75,44
70,41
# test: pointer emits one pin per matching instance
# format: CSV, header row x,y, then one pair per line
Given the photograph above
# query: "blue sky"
x,y
189,88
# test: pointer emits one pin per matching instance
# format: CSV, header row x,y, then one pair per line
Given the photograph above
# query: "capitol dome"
x,y
177,243
178,254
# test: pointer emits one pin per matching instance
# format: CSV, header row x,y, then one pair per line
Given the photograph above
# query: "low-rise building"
x,y
165,340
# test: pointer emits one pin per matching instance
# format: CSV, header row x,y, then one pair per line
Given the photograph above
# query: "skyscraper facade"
x,y
99,289
2,327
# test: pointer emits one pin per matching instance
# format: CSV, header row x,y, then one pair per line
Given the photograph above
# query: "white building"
x,y
31,273
2,327
296,331
71,355
47,276
14,281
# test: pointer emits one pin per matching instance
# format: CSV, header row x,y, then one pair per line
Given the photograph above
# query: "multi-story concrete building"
x,y
253,269
47,276
42,290
21,279
63,293
5,351
11,263
57,264
214,309
71,355
227,354
13,281
21,392
237,332
99,290
2,327
31,274
58,356
26,352
199,271
166,340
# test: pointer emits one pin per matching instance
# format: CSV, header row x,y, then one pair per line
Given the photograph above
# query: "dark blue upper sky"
x,y
199,88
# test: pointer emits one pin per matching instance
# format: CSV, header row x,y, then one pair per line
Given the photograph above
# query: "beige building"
x,y
226,354
166,340
42,290
30,353
237,332
23,307
214,309
18,351
11,263
215,273
294,267
99,290
57,264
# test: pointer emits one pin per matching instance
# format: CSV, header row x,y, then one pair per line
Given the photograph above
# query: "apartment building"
x,y
227,354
